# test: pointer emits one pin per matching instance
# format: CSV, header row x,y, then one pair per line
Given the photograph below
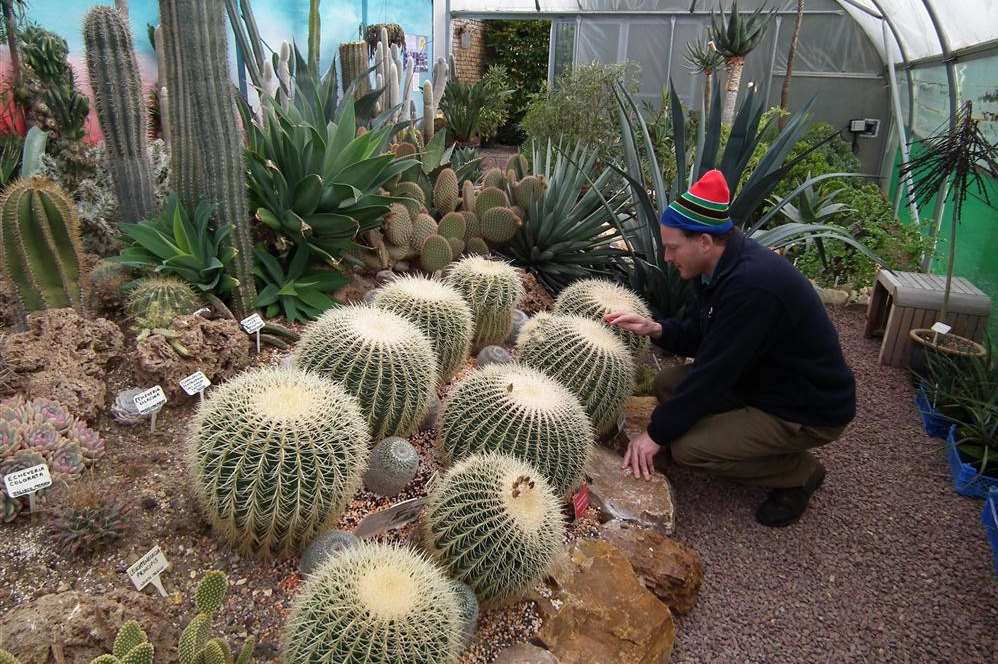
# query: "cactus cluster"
x,y
521,412
493,290
131,646
440,313
494,523
379,357
42,431
196,646
595,298
40,249
394,463
375,604
584,356
275,456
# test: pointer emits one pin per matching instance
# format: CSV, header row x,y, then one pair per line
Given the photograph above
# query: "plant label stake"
x,y
391,518
252,324
27,482
202,311
147,569
196,383
580,500
150,401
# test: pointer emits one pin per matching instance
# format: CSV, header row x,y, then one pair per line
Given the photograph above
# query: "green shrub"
x,y
521,47
496,112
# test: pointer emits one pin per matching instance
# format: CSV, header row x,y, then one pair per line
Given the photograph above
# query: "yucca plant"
x,y
704,58
300,293
735,37
570,231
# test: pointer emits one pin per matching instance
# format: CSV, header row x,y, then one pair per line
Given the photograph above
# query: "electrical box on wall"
x,y
865,128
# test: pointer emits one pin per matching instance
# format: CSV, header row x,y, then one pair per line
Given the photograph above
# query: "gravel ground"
x,y
889,564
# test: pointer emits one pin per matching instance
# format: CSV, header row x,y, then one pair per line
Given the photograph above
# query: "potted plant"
x,y
989,517
960,156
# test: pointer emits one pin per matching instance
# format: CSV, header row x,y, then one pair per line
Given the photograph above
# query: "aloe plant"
x,y
299,293
462,106
735,37
813,205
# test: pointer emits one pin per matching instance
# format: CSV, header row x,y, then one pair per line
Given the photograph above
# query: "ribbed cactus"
x,y
153,302
375,604
521,412
439,312
446,193
595,298
40,249
206,142
467,607
494,523
394,463
354,64
436,253
275,456
121,110
586,357
329,543
493,290
377,356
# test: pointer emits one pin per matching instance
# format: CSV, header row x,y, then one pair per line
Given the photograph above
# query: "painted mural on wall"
x,y
278,20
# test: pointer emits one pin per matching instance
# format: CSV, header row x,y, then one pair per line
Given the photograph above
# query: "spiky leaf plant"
x,y
275,456
735,36
439,311
493,290
494,523
522,412
394,463
90,521
377,356
586,357
704,58
595,298
375,604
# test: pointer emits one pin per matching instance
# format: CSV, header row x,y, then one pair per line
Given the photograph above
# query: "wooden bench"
x,y
903,301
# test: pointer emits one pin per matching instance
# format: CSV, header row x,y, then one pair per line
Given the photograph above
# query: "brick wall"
x,y
469,62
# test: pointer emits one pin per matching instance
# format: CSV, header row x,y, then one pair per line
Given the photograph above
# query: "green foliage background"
x,y
522,47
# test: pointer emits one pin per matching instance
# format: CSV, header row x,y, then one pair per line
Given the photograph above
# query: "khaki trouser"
x,y
746,444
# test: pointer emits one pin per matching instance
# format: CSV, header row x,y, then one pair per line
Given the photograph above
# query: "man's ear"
x,y
706,242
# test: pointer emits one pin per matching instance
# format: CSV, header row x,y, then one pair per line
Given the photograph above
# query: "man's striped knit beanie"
x,y
702,209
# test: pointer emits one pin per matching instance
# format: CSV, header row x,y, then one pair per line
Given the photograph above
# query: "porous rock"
x,y
526,653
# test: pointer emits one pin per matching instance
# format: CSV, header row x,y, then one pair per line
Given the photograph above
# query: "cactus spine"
x,y
114,76
207,145
40,249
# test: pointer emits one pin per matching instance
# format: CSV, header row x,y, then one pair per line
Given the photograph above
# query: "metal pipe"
x,y
902,139
522,15
672,47
865,9
906,63
552,46
772,62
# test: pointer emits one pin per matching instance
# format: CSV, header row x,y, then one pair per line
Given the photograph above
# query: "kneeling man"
x,y
768,381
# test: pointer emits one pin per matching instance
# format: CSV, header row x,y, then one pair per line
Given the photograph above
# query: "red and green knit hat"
x,y
702,209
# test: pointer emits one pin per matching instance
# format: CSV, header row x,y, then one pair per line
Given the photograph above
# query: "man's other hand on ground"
x,y
640,454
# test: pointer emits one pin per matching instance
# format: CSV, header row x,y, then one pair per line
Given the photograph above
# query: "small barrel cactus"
x,y
595,298
324,546
275,456
375,604
436,253
393,465
521,412
439,312
154,302
494,523
584,356
379,357
493,290
468,607
493,355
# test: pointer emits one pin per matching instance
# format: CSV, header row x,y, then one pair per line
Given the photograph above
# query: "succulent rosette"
x,y
42,437
89,441
53,413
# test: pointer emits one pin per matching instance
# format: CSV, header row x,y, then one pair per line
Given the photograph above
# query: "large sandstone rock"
x,y
219,348
79,627
65,357
525,653
618,495
598,611
669,569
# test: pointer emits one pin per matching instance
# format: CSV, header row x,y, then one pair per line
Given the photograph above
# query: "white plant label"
x,y
252,323
27,481
196,383
390,518
941,328
150,400
147,569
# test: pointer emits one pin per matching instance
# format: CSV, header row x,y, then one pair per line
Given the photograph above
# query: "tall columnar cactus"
x,y
275,456
40,249
521,412
121,110
375,604
206,142
586,357
354,63
595,298
377,356
494,523
440,313
493,290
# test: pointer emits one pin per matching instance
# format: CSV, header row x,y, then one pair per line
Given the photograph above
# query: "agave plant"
x,y
175,243
462,106
735,37
570,231
813,205
299,293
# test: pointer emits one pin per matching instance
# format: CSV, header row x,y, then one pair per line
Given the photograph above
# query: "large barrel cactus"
x,y
275,456
375,604
586,357
439,311
121,110
521,412
40,249
493,290
595,298
377,356
494,523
